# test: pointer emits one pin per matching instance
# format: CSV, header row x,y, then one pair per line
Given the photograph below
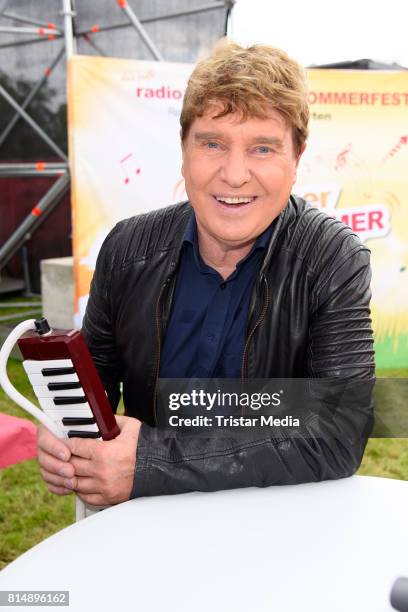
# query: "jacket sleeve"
x,y
96,325
331,442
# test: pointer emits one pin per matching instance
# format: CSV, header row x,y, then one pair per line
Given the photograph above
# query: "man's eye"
x,y
212,145
263,149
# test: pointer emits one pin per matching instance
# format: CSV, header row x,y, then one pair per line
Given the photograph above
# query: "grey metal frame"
x,y
29,98
22,19
36,217
48,169
53,196
20,110
220,4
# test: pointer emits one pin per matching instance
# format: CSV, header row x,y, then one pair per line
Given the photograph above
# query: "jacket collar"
x,y
185,223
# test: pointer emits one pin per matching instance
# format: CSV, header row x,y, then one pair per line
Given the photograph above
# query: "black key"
x,y
57,371
75,433
63,386
61,401
78,421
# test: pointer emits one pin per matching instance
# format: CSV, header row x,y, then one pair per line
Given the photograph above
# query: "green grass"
x,y
388,457
13,310
29,513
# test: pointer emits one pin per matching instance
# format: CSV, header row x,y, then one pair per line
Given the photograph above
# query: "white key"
x,y
60,412
67,428
45,392
39,379
32,366
48,404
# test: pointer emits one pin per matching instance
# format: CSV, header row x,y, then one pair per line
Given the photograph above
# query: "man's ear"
x,y
182,154
302,150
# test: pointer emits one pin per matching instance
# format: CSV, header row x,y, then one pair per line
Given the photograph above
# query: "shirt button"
x,y
223,285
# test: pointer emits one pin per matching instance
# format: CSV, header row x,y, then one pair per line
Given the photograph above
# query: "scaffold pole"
x,y
32,123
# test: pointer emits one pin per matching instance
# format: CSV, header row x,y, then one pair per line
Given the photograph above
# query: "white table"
x,y
326,547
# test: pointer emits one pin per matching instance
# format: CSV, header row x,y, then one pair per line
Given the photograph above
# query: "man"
x,y
244,280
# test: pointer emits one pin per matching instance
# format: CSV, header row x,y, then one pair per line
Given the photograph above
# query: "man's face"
x,y
238,174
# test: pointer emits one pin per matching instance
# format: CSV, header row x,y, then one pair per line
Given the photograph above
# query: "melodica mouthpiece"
x,y
42,326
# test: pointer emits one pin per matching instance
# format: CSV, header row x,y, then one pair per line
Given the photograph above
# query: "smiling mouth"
x,y
235,202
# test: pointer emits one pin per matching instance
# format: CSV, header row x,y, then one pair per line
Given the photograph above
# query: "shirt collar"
x,y
190,236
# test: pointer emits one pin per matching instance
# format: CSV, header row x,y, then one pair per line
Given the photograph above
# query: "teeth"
x,y
235,200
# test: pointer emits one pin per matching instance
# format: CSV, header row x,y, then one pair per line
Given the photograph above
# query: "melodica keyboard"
x,y
66,382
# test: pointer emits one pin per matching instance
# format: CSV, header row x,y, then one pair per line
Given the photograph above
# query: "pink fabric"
x,y
17,440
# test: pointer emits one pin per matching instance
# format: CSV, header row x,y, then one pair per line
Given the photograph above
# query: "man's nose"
x,y
234,169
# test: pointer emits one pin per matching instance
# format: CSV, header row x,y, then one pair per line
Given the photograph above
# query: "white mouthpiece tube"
x,y
24,403
12,391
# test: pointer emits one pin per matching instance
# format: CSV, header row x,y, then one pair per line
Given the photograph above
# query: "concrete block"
x,y
57,289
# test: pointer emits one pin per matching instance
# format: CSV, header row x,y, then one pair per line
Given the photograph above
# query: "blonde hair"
x,y
249,81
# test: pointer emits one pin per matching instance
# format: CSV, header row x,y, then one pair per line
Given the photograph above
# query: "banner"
x,y
125,159
355,168
124,148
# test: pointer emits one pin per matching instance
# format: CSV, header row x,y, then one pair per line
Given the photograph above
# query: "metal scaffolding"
x,y
70,35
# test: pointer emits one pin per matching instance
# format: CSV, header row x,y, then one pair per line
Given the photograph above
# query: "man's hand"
x,y
101,473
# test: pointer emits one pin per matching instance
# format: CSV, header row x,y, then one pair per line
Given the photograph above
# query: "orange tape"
x,y
122,3
40,166
51,36
95,28
41,31
36,212
51,26
47,71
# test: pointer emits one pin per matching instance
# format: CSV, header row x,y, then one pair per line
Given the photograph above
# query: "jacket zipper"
x,y
158,332
158,354
255,327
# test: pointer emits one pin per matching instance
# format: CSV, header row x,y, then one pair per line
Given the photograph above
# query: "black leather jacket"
x,y
308,317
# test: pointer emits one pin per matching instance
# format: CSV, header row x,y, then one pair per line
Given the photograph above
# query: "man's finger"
x,y
81,447
93,499
83,485
55,466
82,467
52,445
58,490
128,425
53,479
121,420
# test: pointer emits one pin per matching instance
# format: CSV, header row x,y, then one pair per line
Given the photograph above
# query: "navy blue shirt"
x,y
206,332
